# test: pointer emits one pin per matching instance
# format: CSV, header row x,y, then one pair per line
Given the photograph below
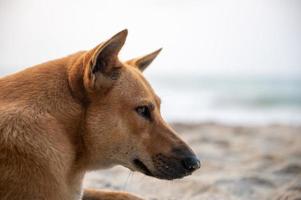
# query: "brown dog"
x,y
86,111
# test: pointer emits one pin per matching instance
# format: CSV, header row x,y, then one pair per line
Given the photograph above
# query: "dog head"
x,y
123,124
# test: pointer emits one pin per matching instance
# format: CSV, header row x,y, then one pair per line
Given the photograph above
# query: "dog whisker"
x,y
128,179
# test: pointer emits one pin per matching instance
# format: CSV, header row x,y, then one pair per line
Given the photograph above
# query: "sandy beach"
x,y
238,162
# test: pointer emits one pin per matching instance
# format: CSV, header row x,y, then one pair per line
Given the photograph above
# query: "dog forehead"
x,y
133,83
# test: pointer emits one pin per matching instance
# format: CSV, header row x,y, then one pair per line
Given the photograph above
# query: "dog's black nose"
x,y
191,164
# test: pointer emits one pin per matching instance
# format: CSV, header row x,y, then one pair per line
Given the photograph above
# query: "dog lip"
x,y
142,167
172,176
161,174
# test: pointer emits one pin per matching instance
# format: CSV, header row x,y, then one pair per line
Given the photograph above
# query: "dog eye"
x,y
144,112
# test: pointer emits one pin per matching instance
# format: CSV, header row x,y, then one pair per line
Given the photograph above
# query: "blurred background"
x,y
234,62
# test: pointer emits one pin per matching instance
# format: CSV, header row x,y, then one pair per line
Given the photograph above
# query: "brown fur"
x,y
65,117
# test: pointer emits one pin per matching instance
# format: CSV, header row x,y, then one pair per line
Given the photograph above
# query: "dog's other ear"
x,y
144,61
102,64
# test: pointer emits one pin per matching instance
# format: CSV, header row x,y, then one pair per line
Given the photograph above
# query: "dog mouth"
x,y
142,167
164,170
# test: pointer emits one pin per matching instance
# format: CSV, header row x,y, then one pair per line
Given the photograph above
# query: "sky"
x,y
242,37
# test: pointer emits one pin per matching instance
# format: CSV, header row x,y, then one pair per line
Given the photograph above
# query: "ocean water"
x,y
228,99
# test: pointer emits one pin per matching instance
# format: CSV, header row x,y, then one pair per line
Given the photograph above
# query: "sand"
x,y
249,163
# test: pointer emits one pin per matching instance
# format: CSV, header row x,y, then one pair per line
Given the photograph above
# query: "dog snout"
x,y
178,163
191,163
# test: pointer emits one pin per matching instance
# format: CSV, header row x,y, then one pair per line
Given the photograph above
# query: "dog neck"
x,y
75,73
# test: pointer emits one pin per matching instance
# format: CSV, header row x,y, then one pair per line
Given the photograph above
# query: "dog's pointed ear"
x,y
102,64
144,61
